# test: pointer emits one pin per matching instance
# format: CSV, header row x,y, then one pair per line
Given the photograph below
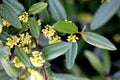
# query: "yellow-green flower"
x,y
12,41
39,22
5,23
37,60
72,38
48,31
25,39
24,17
26,49
104,0
55,39
18,63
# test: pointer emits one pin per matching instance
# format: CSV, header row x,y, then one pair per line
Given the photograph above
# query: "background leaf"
x,y
3,75
98,41
4,36
55,50
71,54
37,8
94,61
15,5
106,61
34,28
9,68
104,13
67,77
9,15
56,9
4,51
23,56
66,27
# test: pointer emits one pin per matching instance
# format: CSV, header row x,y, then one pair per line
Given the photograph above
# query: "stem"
x,y
79,33
43,68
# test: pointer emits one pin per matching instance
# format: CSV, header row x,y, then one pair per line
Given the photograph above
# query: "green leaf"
x,y
66,77
4,51
8,14
37,8
4,76
4,36
15,5
94,61
106,61
55,50
34,28
98,41
9,68
66,27
71,54
56,9
23,56
104,13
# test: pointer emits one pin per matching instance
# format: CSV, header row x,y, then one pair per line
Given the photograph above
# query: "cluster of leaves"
x,y
10,10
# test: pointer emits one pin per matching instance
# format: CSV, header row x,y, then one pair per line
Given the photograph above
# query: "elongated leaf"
x,y
36,76
106,61
95,62
9,68
104,13
3,75
4,36
56,9
15,5
37,8
34,28
8,14
67,77
4,51
98,41
71,54
23,56
55,50
66,27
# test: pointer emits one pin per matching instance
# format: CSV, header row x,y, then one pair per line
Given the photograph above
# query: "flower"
x,y
24,17
25,39
48,31
104,0
55,39
37,59
18,63
72,38
39,22
12,41
5,23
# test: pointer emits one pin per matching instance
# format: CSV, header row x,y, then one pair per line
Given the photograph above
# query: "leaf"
x,y
23,56
66,27
71,54
37,8
4,51
15,5
3,75
104,13
98,41
8,14
55,50
66,77
56,9
36,76
94,61
4,36
106,61
9,68
34,28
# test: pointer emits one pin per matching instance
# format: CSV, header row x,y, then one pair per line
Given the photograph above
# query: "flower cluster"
x,y
5,23
104,0
39,22
72,38
37,60
23,41
24,17
18,63
50,33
